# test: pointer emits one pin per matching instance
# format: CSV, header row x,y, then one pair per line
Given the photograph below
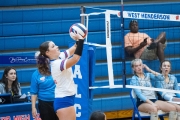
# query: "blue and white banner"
x,y
151,16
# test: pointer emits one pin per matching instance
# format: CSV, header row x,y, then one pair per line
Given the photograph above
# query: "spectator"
x,y
9,82
166,80
97,115
142,46
146,99
42,88
59,64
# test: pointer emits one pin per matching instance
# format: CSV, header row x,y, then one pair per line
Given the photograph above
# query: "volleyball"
x,y
78,28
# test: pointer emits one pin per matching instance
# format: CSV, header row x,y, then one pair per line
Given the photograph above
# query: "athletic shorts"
x,y
141,102
64,102
150,54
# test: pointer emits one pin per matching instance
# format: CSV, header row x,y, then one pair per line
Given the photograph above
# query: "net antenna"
x,y
108,45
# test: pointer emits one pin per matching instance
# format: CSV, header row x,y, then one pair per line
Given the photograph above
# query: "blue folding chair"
x,y
138,114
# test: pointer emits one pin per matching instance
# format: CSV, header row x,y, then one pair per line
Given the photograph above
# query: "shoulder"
x,y
134,78
144,34
127,34
56,61
172,76
36,73
151,75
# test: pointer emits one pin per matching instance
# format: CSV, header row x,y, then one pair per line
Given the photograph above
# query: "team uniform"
x,y
171,85
43,87
143,95
65,87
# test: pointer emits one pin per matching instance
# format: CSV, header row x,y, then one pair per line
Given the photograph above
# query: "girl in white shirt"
x,y
58,64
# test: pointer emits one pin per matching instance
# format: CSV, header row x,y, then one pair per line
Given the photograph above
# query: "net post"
x,y
82,11
123,48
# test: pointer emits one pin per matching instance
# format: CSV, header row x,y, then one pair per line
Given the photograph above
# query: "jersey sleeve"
x,y
59,65
127,41
176,87
34,84
138,92
64,55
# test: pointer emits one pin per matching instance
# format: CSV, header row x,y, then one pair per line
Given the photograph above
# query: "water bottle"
x,y
29,96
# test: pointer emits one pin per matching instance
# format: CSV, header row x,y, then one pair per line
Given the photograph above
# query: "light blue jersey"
x,y
143,95
42,86
172,85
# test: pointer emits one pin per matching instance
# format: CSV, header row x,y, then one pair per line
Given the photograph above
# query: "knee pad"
x,y
154,116
172,115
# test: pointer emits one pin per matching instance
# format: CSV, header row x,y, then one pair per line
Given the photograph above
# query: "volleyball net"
x,y
107,29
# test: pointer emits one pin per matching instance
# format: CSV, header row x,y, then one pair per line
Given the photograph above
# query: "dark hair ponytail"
x,y
43,60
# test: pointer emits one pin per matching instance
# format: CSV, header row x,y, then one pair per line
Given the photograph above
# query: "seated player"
x,y
166,80
140,45
147,99
9,82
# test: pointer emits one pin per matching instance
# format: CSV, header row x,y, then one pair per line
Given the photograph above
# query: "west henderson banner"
x,y
151,16
83,73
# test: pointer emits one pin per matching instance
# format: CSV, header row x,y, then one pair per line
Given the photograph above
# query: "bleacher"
x,y
24,25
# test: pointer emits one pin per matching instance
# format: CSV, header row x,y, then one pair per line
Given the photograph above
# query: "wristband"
x,y
79,48
77,42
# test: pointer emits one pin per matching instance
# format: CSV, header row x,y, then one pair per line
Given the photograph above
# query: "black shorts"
x,y
46,110
141,102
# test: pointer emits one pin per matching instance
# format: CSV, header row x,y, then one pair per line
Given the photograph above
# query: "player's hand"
x,y
146,67
144,43
77,36
155,105
34,112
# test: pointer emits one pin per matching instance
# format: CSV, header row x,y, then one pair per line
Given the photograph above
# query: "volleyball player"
x,y
58,64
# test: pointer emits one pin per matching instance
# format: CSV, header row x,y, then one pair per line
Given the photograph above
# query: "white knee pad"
x,y
154,116
178,115
172,115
